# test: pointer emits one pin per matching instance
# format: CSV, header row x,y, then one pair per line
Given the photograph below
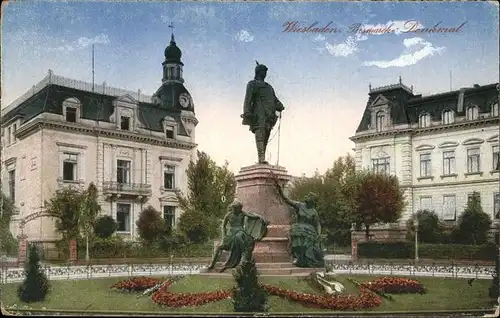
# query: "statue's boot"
x,y
261,153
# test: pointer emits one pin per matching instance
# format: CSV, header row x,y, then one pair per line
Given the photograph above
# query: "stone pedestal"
x,y
255,189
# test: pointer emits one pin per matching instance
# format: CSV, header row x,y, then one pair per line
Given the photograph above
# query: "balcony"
x,y
126,189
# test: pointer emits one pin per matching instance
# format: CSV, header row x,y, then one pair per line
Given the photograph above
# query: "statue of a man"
x,y
259,110
240,230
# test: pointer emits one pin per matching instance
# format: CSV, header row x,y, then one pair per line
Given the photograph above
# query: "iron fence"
x,y
66,272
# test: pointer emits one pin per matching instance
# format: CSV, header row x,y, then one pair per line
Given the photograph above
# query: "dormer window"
x,y
494,110
424,120
124,123
448,117
472,113
380,120
169,132
71,114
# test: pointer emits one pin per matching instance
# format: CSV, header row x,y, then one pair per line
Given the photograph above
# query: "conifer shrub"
x,y
35,286
248,296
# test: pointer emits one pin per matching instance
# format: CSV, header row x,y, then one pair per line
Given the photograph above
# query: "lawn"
x,y
95,295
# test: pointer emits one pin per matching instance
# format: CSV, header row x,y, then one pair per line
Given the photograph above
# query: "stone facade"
x,y
439,161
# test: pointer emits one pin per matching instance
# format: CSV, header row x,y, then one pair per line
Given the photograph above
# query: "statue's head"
x,y
310,199
236,206
260,71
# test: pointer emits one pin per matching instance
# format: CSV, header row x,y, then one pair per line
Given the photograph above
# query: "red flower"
x,y
137,283
395,285
165,298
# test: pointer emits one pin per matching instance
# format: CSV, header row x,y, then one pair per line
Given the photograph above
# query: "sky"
x,y
322,78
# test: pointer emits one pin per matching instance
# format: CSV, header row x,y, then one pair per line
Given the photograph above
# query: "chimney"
x,y
460,107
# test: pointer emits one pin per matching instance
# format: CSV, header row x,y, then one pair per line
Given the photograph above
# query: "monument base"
x,y
255,189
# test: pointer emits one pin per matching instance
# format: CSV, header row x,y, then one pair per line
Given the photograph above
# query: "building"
x,y
135,148
441,147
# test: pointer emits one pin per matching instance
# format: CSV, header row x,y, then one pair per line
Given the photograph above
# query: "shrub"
x,y
430,229
197,226
248,296
108,247
474,224
406,250
150,225
35,286
105,226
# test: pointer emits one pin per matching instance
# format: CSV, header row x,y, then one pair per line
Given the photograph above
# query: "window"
x,y
448,163
494,110
448,117
169,177
14,129
496,158
71,114
12,185
426,203
496,205
449,207
123,217
380,120
471,195
125,123
472,113
169,132
169,215
9,135
70,165
123,171
425,165
425,120
381,165
473,160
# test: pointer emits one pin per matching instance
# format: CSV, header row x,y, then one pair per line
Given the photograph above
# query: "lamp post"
x,y
416,238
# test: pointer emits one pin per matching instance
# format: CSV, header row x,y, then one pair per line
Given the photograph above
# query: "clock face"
x,y
185,100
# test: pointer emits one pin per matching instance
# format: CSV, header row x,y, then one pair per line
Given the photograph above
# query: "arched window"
x,y
424,120
494,110
448,117
472,113
380,120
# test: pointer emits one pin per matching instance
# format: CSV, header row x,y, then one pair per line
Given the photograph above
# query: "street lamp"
x,y
416,238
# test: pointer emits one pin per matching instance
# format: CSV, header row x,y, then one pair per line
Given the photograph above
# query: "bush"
x,y
8,244
150,225
196,226
474,224
108,247
248,296
430,229
105,226
172,240
406,250
35,286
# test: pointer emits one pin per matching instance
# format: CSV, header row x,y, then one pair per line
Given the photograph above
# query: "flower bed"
x,y
136,284
165,298
395,285
366,299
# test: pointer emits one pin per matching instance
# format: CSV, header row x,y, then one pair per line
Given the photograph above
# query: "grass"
x,y
443,294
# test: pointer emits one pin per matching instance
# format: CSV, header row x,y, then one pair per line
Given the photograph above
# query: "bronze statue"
x,y
259,110
240,230
305,233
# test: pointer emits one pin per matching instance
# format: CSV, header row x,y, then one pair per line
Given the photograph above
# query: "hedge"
x,y
406,250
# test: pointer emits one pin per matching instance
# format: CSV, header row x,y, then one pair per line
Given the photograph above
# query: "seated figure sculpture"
x,y
305,233
240,230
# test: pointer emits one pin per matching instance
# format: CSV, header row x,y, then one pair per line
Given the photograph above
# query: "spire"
x,y
172,39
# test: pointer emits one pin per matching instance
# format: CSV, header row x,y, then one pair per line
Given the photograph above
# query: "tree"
x,y
376,198
150,225
332,204
430,229
8,243
105,226
35,286
474,224
65,207
248,296
90,209
211,189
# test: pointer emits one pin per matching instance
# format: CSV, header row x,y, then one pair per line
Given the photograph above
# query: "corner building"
x,y
441,147
135,148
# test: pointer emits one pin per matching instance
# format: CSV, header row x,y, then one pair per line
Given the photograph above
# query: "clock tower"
x,y
172,94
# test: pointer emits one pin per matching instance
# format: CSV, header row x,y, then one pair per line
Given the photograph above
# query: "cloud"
x,y
82,43
416,50
319,37
244,36
346,48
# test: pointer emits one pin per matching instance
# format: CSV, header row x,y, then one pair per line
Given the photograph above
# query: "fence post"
x,y
391,265
433,268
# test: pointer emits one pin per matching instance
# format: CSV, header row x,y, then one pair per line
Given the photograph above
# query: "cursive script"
x,y
415,27
296,26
